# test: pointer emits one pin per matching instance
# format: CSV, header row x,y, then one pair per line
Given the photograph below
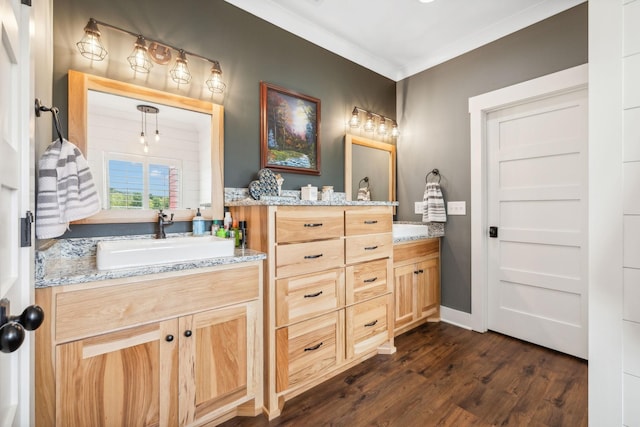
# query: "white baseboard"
x,y
455,317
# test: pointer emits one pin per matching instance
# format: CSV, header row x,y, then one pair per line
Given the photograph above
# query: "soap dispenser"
x,y
198,224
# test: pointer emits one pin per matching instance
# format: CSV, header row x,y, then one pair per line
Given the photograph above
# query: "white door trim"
x,y
479,106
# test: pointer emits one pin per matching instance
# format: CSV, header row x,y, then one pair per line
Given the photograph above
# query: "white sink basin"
x,y
115,254
410,230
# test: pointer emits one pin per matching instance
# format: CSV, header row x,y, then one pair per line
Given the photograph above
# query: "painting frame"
x,y
282,148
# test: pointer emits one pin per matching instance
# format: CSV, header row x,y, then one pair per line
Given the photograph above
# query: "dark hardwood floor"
x,y
443,375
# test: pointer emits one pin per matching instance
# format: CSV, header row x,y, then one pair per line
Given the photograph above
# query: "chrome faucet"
x,y
162,223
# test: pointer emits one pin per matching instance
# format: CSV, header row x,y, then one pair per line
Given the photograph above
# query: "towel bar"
x,y
435,172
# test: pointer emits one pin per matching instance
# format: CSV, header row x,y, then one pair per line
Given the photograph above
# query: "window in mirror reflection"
x,y
175,173
143,184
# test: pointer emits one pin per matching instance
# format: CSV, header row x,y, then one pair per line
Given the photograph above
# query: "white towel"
x,y
433,206
66,191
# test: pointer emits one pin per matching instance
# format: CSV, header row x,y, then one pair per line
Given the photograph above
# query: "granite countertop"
x,y
423,231
73,261
290,201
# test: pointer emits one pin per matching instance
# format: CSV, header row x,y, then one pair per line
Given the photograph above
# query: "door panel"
x,y
537,197
121,378
15,367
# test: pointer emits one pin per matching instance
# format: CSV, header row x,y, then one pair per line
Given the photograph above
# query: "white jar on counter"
x,y
327,193
309,193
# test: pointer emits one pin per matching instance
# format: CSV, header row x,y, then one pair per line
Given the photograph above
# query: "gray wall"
x,y
250,50
432,109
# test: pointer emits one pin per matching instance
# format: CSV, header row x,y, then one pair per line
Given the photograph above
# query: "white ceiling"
x,y
399,38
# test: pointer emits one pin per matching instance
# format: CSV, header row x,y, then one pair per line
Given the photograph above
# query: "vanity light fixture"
x,y
180,71
144,110
90,46
139,58
354,122
374,122
142,58
215,83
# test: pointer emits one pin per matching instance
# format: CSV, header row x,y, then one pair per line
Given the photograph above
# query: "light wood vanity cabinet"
x,y
328,291
417,283
171,349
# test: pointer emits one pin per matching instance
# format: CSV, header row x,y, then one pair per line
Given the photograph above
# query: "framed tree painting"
x,y
289,130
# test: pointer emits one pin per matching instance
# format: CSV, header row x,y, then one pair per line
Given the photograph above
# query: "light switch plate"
x,y
457,208
418,208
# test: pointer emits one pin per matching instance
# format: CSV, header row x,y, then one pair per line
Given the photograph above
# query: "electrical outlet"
x,y
457,208
418,208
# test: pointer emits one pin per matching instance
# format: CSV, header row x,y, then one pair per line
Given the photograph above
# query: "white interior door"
x,y
15,285
537,186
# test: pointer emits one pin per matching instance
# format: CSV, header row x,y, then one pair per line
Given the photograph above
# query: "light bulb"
x,y
142,138
157,135
180,72
139,58
354,122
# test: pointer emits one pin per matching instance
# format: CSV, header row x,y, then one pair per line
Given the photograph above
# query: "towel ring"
x,y
366,180
435,172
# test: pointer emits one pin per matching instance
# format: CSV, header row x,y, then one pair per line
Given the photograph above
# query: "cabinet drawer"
x,y
368,325
87,312
302,297
308,348
366,280
305,224
302,258
368,221
417,249
366,248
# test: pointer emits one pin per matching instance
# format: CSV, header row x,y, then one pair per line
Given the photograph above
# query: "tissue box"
x,y
309,193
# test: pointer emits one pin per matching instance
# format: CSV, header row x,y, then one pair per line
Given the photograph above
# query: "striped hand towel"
x,y
433,206
66,191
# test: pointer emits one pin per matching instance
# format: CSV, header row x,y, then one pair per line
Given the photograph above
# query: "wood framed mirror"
x,y
364,157
85,88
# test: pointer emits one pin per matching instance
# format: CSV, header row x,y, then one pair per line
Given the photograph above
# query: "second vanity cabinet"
x,y
328,291
416,271
172,349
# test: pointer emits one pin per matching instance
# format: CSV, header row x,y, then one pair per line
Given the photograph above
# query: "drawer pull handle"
x,y
169,338
371,248
315,347
311,225
373,279
371,222
187,333
312,256
317,294
371,323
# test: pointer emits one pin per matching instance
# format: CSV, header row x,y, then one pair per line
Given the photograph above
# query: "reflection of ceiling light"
x,y
144,110
425,1
90,46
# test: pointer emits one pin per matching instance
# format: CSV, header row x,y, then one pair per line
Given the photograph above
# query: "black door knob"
x,y
11,337
187,333
32,317
169,338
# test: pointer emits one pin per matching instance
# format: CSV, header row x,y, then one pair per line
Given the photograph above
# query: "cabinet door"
x,y
213,361
428,287
125,378
404,300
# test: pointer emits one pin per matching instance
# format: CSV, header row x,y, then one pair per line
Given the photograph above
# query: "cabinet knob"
x,y
169,338
187,333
